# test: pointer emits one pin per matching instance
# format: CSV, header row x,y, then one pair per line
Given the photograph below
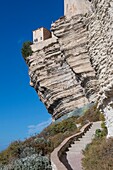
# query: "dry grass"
x,y
99,154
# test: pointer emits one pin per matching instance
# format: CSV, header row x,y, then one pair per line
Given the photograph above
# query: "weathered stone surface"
x,y
60,68
76,66
75,7
72,36
101,54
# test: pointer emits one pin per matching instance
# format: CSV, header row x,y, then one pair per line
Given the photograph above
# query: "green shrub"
x,y
98,133
102,118
45,142
68,125
26,49
104,129
93,114
101,132
34,162
61,127
11,153
42,144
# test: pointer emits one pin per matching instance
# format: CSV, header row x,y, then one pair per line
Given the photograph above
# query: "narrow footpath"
x,y
72,158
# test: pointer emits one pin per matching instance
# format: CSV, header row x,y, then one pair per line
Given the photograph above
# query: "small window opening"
x,y
36,40
67,7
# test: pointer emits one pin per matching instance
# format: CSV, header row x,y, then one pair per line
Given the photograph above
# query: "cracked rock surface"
x,y
101,54
60,68
75,66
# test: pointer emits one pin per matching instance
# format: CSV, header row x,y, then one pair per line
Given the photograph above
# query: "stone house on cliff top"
x,y
71,7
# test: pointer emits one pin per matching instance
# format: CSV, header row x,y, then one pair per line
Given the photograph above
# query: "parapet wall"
x,y
56,155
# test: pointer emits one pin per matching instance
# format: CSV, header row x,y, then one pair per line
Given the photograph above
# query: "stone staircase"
x,y
72,158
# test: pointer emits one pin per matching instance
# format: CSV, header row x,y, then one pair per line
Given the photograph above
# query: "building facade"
x,y
41,34
74,7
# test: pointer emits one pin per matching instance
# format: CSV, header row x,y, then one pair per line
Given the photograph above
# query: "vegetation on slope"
x,y
99,154
92,114
38,147
26,49
20,154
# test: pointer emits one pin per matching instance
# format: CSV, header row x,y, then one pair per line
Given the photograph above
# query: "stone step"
x,y
75,160
84,138
78,149
79,145
74,154
82,142
88,137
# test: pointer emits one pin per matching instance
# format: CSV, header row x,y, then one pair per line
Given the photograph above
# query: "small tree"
x,y
26,49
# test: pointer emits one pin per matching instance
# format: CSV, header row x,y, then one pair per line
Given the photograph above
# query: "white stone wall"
x,y
74,7
38,35
101,54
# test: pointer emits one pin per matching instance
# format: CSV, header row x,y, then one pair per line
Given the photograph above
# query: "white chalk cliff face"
x,y
60,68
75,67
101,54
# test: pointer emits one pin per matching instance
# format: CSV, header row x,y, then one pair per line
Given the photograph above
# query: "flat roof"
x,y
41,28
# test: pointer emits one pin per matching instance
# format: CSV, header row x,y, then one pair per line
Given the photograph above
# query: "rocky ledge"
x,y
74,67
60,68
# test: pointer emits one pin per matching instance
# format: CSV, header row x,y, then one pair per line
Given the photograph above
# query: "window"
x,y
36,40
66,7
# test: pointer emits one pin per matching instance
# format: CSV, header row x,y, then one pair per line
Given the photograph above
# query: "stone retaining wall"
x,y
56,155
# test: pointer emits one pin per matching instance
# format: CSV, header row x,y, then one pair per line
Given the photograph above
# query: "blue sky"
x,y
21,112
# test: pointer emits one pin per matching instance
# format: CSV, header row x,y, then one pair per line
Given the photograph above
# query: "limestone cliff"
x,y
101,54
74,67
60,68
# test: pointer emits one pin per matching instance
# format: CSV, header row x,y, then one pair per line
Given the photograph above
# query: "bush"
x,y
42,144
92,114
102,118
34,162
61,127
26,49
11,153
99,133
104,129
45,142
